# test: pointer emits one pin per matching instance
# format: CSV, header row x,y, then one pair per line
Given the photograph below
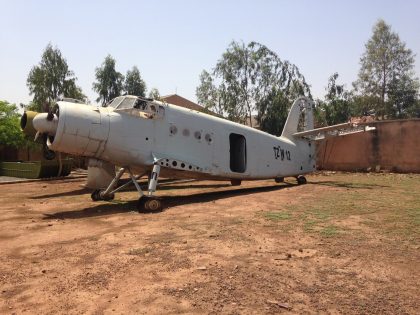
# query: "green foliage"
x,y
208,95
10,132
51,79
277,215
276,106
403,98
336,107
109,82
246,79
154,94
134,84
386,74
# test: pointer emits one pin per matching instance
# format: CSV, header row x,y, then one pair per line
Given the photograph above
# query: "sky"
x,y
171,42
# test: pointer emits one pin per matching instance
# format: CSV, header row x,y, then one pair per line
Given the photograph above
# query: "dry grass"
x,y
387,203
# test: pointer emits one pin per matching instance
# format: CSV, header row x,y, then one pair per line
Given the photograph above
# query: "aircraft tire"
x,y
95,195
301,180
149,204
108,197
235,182
153,205
279,180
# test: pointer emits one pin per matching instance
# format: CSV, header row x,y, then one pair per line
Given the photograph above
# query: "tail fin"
x,y
300,117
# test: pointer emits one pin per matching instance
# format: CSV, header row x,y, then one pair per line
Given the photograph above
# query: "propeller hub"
x,y
46,123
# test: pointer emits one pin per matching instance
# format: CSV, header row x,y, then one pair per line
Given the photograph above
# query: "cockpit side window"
x,y
127,103
140,104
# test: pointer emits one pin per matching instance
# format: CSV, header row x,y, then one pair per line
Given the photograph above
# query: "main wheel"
x,y
96,195
279,180
153,205
301,180
108,197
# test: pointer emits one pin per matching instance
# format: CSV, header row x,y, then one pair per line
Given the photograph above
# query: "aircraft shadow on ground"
x,y
115,207
348,185
77,192
163,185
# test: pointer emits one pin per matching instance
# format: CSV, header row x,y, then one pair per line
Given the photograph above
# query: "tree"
x,y
336,107
403,98
277,106
385,67
134,84
109,83
52,79
243,81
208,95
10,133
154,94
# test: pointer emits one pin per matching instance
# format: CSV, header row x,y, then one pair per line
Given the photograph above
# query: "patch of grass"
x,y
277,215
329,231
309,225
387,203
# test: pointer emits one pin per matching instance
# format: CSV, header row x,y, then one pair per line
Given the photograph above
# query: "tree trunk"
x,y
383,91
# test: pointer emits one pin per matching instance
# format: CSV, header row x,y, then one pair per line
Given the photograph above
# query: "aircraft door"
x,y
238,153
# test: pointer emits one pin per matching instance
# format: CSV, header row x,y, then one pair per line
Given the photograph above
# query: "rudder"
x,y
300,117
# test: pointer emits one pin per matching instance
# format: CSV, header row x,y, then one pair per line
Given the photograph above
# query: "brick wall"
x,y
393,146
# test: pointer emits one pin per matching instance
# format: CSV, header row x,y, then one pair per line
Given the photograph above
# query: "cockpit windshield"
x,y
137,106
127,103
115,102
123,102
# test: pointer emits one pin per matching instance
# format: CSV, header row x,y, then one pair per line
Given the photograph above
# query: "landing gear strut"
x,y
148,203
98,194
301,180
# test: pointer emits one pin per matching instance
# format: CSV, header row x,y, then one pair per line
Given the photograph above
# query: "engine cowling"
x,y
81,130
26,123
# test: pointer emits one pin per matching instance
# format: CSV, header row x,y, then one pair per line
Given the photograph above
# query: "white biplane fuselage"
x,y
186,143
160,139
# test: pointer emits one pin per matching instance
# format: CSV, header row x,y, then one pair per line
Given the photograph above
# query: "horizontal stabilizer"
x,y
334,131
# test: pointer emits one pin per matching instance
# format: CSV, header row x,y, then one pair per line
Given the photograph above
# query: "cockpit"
x,y
137,106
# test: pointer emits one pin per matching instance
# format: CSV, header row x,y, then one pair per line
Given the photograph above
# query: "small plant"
x,y
277,215
329,231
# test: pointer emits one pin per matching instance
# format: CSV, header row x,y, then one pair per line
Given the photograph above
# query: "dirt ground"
x,y
342,244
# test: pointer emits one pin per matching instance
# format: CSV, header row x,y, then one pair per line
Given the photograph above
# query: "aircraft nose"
x,y
45,123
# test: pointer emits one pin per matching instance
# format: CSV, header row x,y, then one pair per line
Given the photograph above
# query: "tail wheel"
x,y
279,180
301,180
235,182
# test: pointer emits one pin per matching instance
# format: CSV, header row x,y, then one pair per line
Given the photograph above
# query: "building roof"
x,y
183,102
